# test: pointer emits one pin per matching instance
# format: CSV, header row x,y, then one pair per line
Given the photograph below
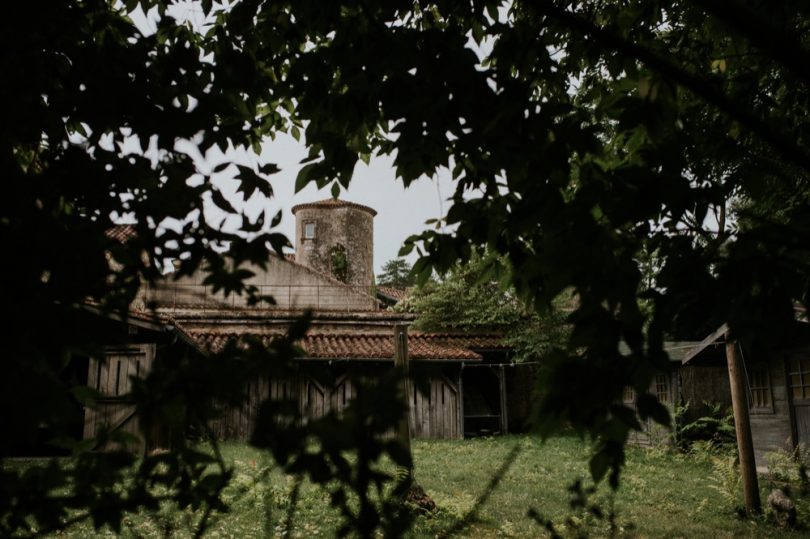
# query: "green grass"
x,y
663,494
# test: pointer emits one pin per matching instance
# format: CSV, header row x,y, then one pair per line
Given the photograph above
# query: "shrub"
x,y
716,428
790,465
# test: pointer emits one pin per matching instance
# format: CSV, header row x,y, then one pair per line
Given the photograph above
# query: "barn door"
x,y
343,393
112,378
314,399
435,413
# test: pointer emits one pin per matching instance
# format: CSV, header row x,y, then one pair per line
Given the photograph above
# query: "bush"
x,y
790,465
711,432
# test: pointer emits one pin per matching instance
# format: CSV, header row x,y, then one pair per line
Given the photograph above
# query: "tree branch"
x,y
668,68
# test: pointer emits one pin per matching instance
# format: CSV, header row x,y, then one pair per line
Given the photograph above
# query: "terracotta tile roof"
x,y
483,341
333,203
352,346
395,293
132,315
254,315
121,233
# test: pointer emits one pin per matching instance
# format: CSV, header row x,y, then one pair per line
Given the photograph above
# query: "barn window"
x,y
799,376
629,395
309,231
662,388
760,384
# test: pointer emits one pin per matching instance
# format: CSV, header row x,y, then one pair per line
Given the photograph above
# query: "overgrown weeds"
x,y
661,494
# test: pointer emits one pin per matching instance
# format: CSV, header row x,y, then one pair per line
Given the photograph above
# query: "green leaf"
x,y
304,176
598,465
85,395
650,407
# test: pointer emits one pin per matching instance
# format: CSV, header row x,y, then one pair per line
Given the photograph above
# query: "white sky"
x,y
401,212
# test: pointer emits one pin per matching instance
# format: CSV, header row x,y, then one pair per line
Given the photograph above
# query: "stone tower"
x,y
336,237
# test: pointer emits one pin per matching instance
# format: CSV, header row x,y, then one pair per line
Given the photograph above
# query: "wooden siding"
x,y
237,421
112,377
771,429
434,414
701,384
800,407
653,434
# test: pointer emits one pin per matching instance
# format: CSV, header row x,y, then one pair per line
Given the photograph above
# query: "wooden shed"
x,y
338,350
336,356
777,381
126,349
671,388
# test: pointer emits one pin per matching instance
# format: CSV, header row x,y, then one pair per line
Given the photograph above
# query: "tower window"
x,y
309,231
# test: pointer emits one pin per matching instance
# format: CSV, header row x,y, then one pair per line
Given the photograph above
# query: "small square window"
x,y
799,378
759,385
629,395
662,389
309,230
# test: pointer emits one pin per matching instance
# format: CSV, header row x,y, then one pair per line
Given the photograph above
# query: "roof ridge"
x,y
333,203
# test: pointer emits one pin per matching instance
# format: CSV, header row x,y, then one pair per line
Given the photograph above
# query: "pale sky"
x,y
401,212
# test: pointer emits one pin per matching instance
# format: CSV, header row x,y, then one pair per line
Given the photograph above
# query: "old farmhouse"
x,y
331,273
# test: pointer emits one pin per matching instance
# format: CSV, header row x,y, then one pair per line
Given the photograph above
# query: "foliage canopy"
x,y
396,273
587,133
477,296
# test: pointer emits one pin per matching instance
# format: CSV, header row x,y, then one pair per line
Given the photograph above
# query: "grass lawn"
x,y
662,494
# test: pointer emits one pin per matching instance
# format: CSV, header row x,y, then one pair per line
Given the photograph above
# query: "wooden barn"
x,y
467,388
777,386
337,350
341,349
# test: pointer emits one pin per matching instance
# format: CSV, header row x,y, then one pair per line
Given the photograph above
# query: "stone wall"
x,y
293,286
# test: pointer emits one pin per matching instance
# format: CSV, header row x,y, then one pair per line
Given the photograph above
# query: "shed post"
x,y
742,425
401,363
504,418
461,401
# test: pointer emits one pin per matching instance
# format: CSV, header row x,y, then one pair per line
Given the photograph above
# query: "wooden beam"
x,y
401,363
719,332
742,425
461,401
502,390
